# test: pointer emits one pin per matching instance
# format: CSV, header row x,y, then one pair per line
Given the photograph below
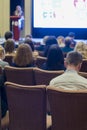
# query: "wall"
x,y
4,16
27,17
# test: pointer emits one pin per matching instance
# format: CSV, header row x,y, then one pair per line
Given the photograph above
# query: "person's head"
x,y
68,41
8,35
55,56
18,8
48,41
28,36
23,55
82,48
73,60
30,42
71,35
9,46
2,52
61,41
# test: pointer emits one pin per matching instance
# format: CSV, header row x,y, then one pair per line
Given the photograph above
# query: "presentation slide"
x,y
60,13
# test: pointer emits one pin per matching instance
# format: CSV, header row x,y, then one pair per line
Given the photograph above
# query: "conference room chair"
x,y
40,60
84,74
68,108
84,66
45,76
4,122
27,106
23,76
9,58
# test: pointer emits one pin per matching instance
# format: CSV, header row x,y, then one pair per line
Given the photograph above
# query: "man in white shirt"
x,y
71,79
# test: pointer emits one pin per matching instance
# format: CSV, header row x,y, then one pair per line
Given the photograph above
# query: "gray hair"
x,y
73,58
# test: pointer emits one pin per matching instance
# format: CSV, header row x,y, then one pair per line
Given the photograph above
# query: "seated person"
x,y
7,35
30,42
48,41
72,36
82,48
67,46
2,56
55,59
61,41
70,79
23,56
10,47
4,106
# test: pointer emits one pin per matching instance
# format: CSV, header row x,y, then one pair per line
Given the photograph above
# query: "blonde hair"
x,y
23,55
82,48
2,52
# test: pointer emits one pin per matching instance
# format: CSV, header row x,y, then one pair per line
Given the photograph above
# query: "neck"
x,y
72,67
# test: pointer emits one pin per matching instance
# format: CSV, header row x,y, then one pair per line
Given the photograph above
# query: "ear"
x,y
79,66
65,63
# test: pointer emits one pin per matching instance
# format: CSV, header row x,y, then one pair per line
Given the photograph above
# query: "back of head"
x,y
68,41
71,34
50,40
23,55
2,52
30,42
73,58
82,48
9,46
8,35
55,56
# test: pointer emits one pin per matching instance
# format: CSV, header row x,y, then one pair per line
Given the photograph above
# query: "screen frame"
x,y
38,32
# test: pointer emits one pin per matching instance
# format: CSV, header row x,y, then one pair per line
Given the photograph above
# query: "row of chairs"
x,y
27,108
40,60
32,76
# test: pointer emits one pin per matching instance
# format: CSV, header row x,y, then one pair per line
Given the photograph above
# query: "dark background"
x,y
14,3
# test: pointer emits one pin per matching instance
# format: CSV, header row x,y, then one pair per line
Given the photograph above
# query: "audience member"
x,y
4,106
23,56
8,35
30,42
2,56
82,48
55,59
67,46
70,79
10,47
61,41
28,36
48,41
72,36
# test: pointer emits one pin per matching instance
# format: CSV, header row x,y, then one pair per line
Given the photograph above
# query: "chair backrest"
x,y
68,109
40,60
27,106
9,58
45,76
84,74
84,66
23,76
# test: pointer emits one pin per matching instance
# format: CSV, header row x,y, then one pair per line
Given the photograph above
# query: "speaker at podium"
x,y
15,26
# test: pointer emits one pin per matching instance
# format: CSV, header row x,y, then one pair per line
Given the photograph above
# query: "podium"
x,y
15,27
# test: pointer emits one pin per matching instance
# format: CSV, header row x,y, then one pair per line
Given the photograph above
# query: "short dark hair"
x,y
73,58
8,35
71,34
